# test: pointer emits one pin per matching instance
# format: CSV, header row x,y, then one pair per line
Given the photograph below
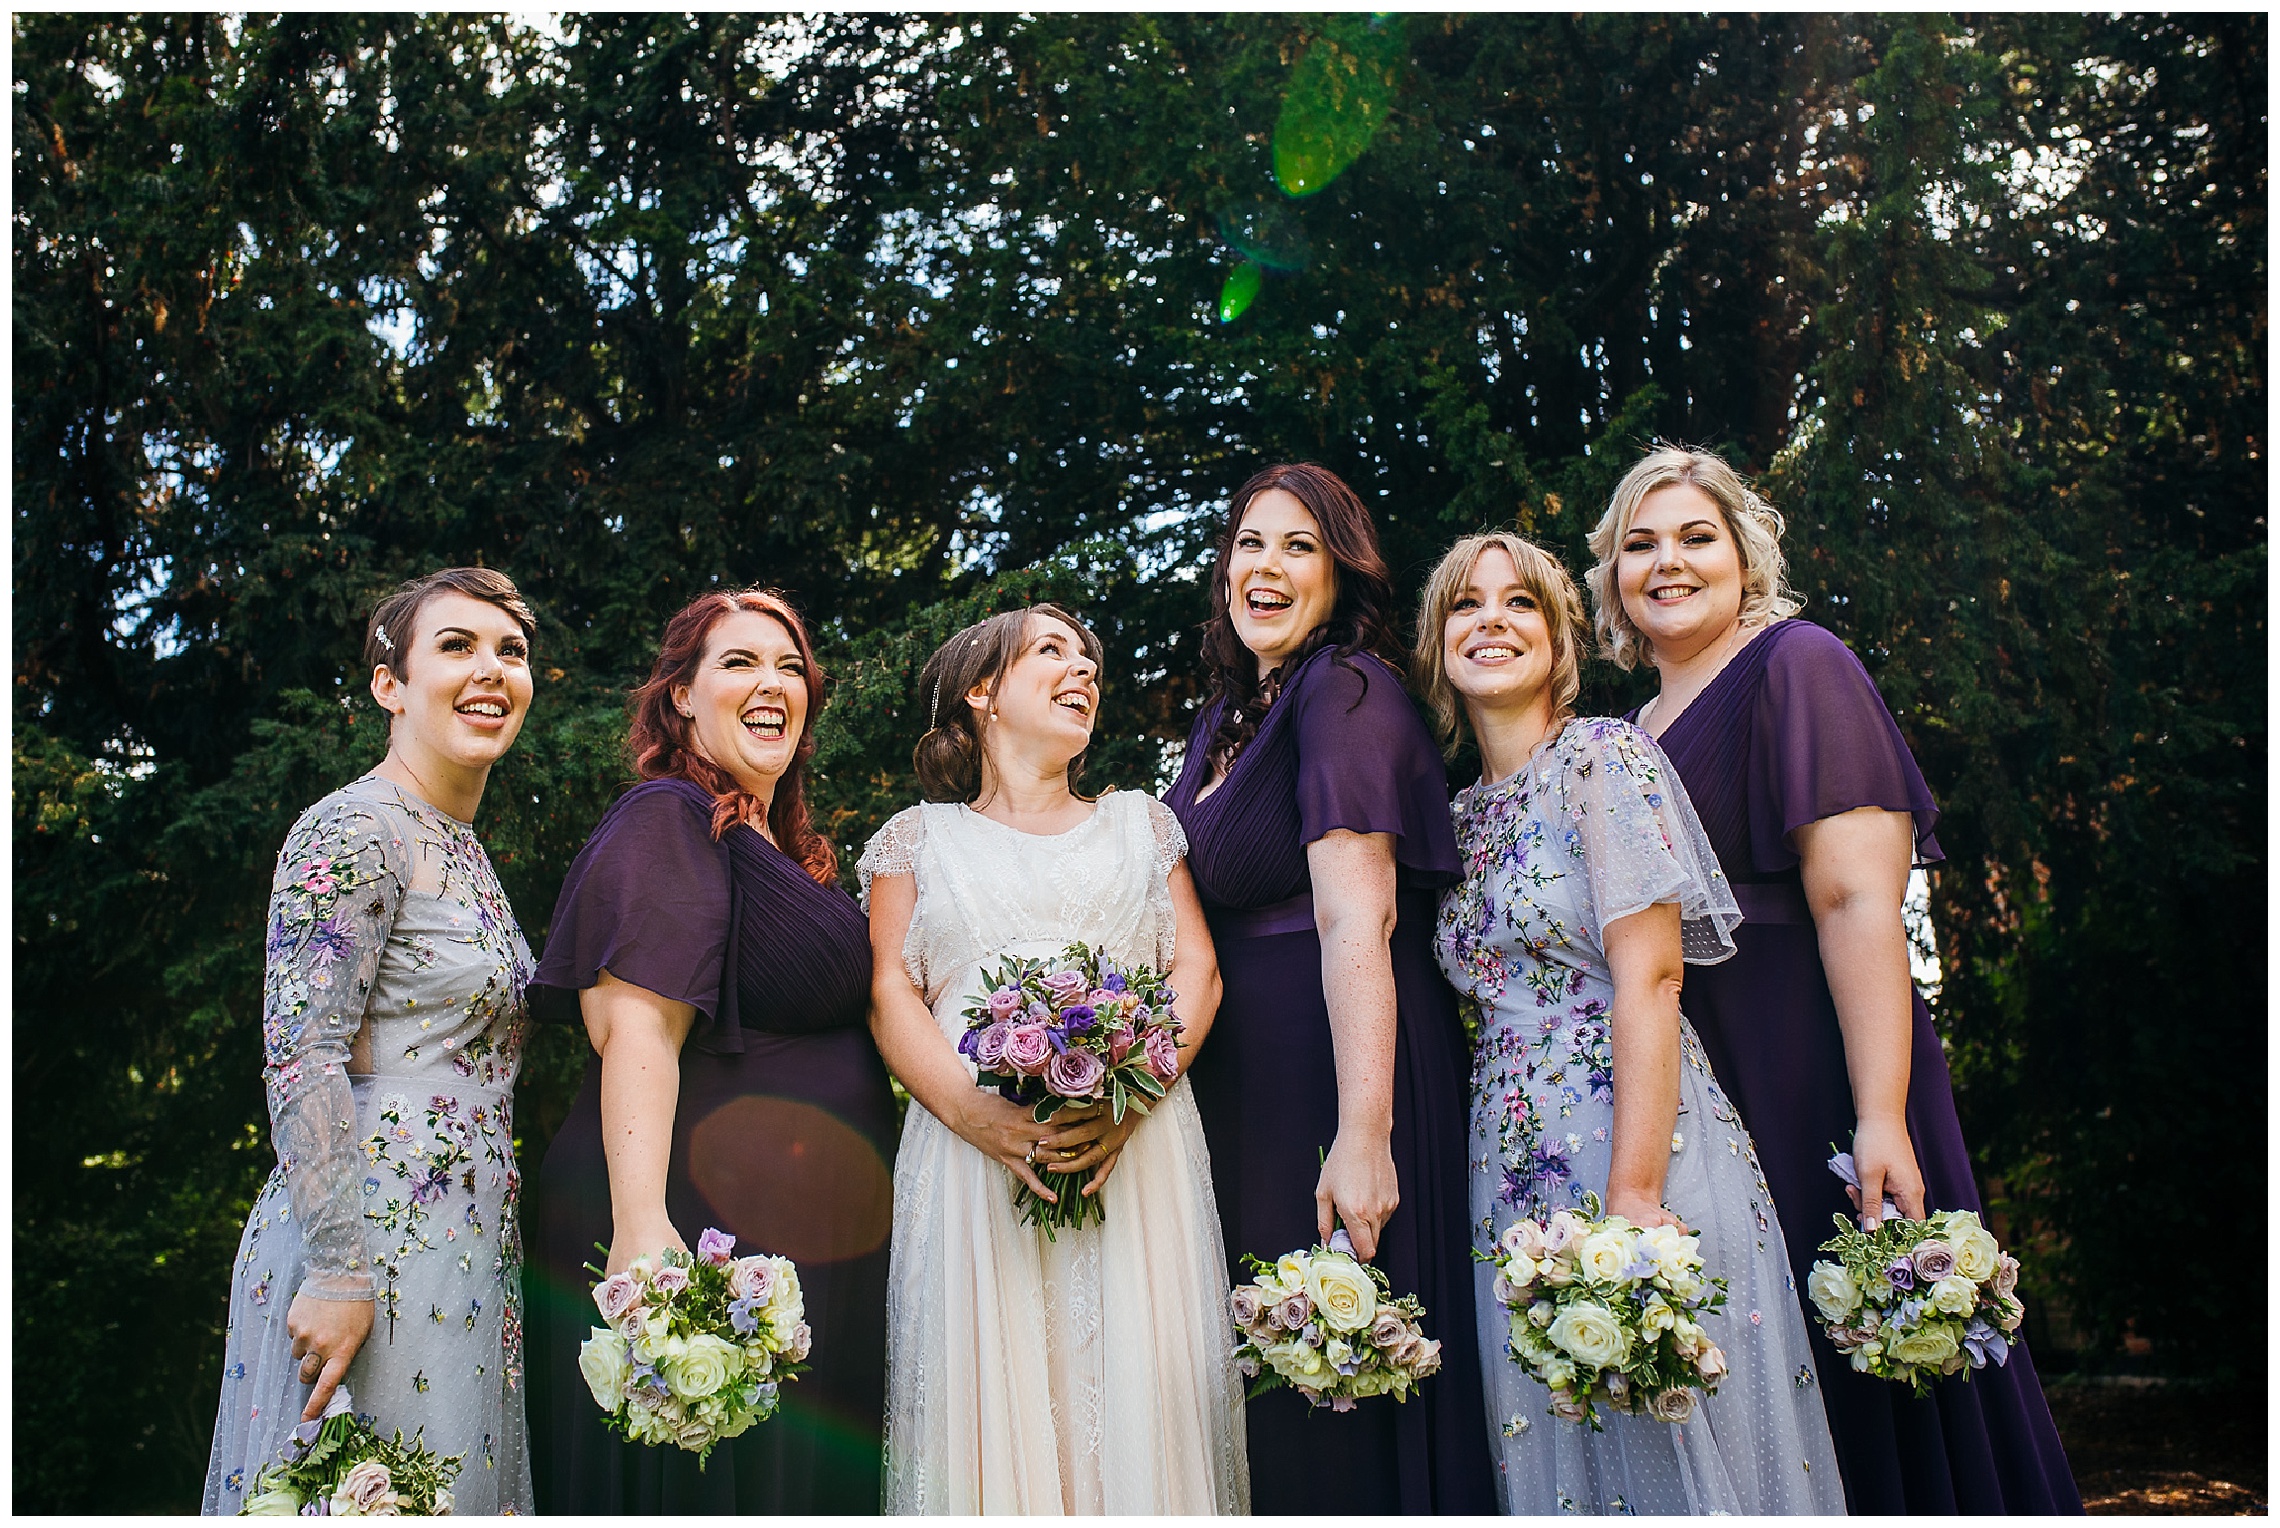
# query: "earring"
x,y
687,713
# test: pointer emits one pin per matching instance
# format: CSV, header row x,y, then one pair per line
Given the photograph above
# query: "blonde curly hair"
x,y
1755,525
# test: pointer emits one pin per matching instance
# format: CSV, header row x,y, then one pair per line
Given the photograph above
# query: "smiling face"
x,y
1679,572
1047,698
1496,645
1282,582
465,688
748,700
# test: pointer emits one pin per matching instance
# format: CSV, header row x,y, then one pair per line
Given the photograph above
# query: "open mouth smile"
x,y
1266,602
1075,700
485,706
765,722
1671,594
1492,652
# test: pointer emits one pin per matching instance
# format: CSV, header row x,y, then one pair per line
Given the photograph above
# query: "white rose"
x,y
1833,1291
604,1362
704,1364
1290,1268
785,1295
1955,1294
1342,1293
1607,1254
1590,1332
445,1506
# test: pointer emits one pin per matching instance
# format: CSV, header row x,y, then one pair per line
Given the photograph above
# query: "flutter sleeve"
x,y
648,900
893,850
1367,764
1824,743
1630,823
339,884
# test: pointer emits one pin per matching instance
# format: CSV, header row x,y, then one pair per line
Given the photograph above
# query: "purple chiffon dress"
x,y
1341,748
1793,731
783,1136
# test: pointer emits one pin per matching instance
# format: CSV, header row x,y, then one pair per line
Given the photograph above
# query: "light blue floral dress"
x,y
396,1185
1593,828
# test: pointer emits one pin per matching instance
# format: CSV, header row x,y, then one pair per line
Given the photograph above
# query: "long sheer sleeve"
x,y
1640,843
339,883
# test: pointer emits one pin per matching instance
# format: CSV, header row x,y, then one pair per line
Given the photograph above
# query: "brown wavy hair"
x,y
1361,618
660,740
948,758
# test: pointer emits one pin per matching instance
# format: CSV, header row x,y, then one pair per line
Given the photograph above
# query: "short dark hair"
x,y
395,620
948,758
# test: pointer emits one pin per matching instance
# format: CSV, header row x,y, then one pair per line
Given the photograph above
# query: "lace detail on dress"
x,y
1635,835
339,881
891,851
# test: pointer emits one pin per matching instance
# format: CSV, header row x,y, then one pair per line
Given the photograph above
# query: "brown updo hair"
x,y
659,739
948,758
395,621
1361,616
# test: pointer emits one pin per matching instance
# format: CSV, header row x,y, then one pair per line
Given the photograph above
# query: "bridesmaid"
x,y
723,979
1817,811
1316,810
392,1021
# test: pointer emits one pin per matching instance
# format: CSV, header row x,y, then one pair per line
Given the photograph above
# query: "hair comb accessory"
x,y
380,635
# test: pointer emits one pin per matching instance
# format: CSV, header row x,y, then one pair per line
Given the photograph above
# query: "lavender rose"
x,y
1119,1044
1244,1303
1005,1003
716,1247
1066,987
1934,1260
2006,1275
989,1046
1074,1073
363,1488
1901,1275
616,1296
1292,1312
1027,1049
1387,1330
1671,1405
671,1279
1163,1054
752,1279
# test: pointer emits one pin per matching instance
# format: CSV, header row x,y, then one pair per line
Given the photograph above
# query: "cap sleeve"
x,y
1170,837
647,898
1367,764
893,850
1634,829
1826,744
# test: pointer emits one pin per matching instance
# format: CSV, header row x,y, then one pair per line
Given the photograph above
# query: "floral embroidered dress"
x,y
392,1020
1593,828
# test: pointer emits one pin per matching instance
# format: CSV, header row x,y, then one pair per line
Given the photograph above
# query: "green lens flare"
x,y
1268,234
1340,95
1242,285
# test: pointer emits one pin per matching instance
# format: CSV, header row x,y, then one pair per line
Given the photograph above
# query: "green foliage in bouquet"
x,y
1916,1300
340,1466
1327,1324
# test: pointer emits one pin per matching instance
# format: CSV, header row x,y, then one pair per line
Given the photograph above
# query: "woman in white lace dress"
x,y
1090,1371
383,1253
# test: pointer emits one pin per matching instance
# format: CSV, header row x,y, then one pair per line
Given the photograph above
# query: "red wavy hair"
x,y
658,739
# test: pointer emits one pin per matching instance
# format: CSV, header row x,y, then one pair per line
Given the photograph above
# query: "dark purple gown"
x,y
784,1136
1334,753
1790,732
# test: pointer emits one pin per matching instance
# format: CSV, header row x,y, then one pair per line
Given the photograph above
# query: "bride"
x,y
1090,1372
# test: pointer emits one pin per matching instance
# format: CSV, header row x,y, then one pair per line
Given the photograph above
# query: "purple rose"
x,y
1065,987
1027,1048
989,1046
1005,1003
1292,1312
1933,1259
716,1247
1902,1274
1163,1054
1074,1073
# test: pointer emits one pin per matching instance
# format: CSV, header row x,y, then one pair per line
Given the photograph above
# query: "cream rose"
x,y
703,1366
784,1294
281,1502
362,1489
1976,1249
604,1363
1342,1293
1833,1291
2006,1275
1710,1363
1929,1346
1590,1332
1955,1294
1607,1254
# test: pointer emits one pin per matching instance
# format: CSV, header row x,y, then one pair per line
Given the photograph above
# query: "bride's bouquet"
x,y
1078,1029
696,1347
340,1466
1326,1324
1605,1312
1914,1300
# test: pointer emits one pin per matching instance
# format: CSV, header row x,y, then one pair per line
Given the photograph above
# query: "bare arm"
x,y
1643,957
1195,966
916,1052
1353,876
1855,868
638,1035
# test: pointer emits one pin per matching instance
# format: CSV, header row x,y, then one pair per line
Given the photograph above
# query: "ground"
x,y
2143,1446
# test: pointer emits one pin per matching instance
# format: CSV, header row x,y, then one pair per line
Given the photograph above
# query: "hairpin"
x,y
380,635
